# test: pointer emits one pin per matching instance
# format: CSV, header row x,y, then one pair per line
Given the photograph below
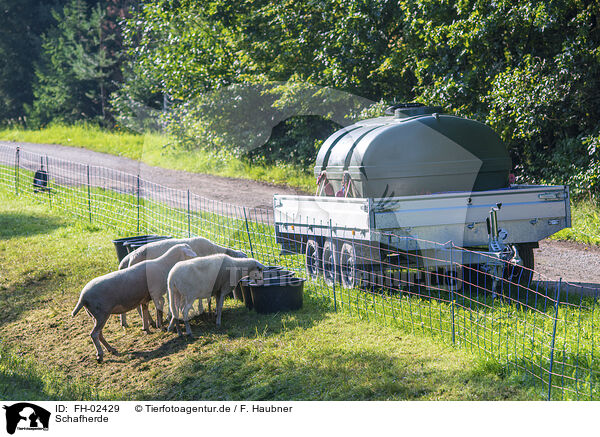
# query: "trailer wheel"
x,y
348,269
312,259
330,262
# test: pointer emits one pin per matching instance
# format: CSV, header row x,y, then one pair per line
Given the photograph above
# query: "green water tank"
x,y
408,154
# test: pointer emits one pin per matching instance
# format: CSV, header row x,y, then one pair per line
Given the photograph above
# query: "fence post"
x,y
248,232
188,214
334,265
452,292
592,348
17,171
553,340
48,182
138,203
89,193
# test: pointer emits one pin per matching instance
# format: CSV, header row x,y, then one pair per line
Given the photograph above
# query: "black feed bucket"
x,y
122,249
132,245
270,273
282,294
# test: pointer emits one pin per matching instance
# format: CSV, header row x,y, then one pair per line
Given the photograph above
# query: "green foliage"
x,y
585,228
271,122
22,22
295,140
529,69
79,64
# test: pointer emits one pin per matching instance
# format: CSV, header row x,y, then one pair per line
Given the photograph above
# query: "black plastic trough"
x,y
274,295
269,274
121,244
133,245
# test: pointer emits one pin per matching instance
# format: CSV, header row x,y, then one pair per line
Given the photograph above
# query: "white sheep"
x,y
200,245
201,278
123,290
153,250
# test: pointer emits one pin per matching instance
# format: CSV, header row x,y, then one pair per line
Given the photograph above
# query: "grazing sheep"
x,y
201,278
201,246
124,290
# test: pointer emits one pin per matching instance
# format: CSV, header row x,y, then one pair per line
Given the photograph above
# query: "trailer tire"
x,y
348,268
312,259
330,262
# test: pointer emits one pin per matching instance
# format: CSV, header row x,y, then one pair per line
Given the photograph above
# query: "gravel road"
x,y
236,191
573,262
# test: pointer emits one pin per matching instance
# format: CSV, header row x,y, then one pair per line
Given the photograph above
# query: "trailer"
x,y
414,187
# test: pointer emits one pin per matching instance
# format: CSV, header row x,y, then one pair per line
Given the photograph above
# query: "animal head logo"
x,y
26,416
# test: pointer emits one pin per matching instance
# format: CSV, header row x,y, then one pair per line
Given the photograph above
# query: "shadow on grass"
x,y
237,323
279,357
169,347
28,294
30,387
24,225
25,380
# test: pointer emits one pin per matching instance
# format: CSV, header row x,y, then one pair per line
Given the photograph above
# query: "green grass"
x,y
311,354
153,149
585,216
518,337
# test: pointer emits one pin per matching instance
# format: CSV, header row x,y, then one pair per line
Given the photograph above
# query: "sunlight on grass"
x,y
157,150
311,354
585,216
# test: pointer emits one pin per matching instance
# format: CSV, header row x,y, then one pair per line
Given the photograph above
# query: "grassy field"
x,y
153,149
310,354
585,216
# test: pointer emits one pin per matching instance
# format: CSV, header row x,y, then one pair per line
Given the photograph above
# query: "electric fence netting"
x,y
542,330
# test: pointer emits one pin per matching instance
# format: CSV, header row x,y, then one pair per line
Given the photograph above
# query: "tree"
x,y
530,69
79,66
22,23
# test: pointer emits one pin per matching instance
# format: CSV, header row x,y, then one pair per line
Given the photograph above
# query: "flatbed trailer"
x,y
341,236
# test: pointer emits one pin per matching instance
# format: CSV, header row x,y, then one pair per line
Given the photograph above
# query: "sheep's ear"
x,y
190,252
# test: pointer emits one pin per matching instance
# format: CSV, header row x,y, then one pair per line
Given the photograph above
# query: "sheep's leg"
x,y
186,319
159,319
174,322
220,299
174,308
124,321
145,317
159,304
108,347
149,319
99,323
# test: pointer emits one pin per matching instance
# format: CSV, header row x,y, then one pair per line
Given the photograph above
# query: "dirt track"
x,y
235,191
576,263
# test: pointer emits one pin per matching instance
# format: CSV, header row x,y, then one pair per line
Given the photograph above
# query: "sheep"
x,y
153,250
200,278
201,246
124,290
